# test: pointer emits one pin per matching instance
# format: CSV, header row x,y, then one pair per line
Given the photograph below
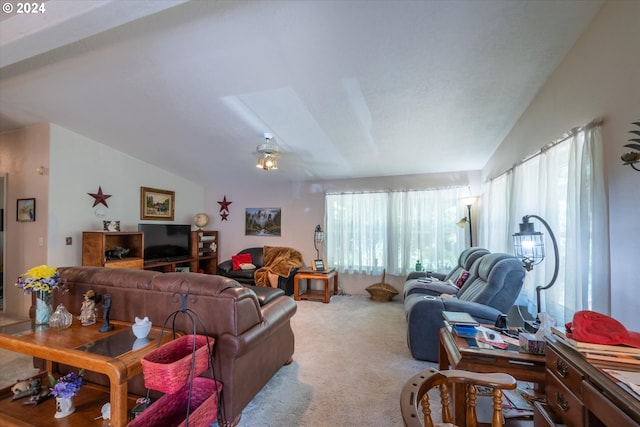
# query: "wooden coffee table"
x,y
457,353
116,354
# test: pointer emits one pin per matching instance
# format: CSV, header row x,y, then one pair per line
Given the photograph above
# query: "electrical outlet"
x,y
68,241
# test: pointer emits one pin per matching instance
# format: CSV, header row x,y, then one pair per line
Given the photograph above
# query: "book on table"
x,y
459,318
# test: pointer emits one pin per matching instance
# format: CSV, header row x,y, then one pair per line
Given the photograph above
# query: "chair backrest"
x,y
465,261
414,399
496,281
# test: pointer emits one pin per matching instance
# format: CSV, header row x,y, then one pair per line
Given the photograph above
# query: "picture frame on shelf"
x,y
111,225
26,210
182,269
157,204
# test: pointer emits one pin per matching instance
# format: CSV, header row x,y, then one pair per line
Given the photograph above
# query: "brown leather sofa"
x,y
253,336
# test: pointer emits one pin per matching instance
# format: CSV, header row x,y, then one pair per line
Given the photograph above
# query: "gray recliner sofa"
x,y
494,283
436,284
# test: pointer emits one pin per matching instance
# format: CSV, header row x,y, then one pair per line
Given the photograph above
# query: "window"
x,y
366,232
565,185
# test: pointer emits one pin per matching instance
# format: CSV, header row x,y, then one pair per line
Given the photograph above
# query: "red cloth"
x,y
596,328
236,260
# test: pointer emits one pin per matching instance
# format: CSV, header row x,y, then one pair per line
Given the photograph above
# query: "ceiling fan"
x,y
268,153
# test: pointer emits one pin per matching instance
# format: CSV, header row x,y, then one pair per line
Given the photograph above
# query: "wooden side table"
x,y
311,294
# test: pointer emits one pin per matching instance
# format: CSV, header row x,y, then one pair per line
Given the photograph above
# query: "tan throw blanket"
x,y
278,261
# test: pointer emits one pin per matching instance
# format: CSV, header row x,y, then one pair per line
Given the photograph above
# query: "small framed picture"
x,y
111,225
156,204
182,269
26,210
319,265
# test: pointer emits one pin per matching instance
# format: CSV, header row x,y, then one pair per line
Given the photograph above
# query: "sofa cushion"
x,y
240,274
265,295
237,260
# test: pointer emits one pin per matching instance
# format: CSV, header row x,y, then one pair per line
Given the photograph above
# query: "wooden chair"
x,y
415,393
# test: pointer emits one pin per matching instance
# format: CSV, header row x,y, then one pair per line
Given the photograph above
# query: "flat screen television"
x,y
166,242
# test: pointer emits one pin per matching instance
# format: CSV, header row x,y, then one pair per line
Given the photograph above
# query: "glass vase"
x,y
43,307
61,318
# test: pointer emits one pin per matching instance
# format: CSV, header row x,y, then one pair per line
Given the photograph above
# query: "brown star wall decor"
x,y
99,197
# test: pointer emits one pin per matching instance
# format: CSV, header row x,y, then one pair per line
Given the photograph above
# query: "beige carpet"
x,y
350,363
13,366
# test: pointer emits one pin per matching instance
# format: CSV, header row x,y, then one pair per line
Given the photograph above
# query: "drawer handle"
x,y
562,368
562,402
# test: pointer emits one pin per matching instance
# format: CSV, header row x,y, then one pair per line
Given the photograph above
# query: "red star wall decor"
x,y
99,197
224,205
224,208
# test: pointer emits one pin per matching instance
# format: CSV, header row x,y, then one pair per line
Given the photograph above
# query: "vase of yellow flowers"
x,y
41,280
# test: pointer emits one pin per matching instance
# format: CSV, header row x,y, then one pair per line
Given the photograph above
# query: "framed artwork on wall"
x,y
156,204
26,210
263,222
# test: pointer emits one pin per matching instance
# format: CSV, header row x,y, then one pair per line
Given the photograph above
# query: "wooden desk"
x,y
311,294
111,353
581,394
457,353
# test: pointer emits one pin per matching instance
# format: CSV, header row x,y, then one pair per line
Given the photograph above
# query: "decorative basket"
x,y
382,291
171,409
168,367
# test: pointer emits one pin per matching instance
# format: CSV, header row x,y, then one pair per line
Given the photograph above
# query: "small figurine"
x,y
88,309
106,307
26,388
141,327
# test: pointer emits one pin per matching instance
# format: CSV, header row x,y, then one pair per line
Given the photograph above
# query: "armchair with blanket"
x,y
270,266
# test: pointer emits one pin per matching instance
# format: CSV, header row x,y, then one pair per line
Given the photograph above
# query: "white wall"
x,y
79,166
600,78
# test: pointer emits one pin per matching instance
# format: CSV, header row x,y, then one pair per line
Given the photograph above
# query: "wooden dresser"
x,y
578,393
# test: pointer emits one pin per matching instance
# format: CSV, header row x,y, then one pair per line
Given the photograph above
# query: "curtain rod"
x,y
574,131
332,193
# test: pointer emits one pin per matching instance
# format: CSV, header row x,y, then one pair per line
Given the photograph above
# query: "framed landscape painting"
x,y
263,221
26,210
156,204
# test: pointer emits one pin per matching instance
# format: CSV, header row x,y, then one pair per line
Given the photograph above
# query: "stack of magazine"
x,y
618,354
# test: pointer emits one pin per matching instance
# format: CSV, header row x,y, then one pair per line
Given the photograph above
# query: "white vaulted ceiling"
x,y
347,88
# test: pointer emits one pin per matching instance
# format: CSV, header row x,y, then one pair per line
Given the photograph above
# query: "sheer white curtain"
x,y
586,258
356,232
370,231
564,185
